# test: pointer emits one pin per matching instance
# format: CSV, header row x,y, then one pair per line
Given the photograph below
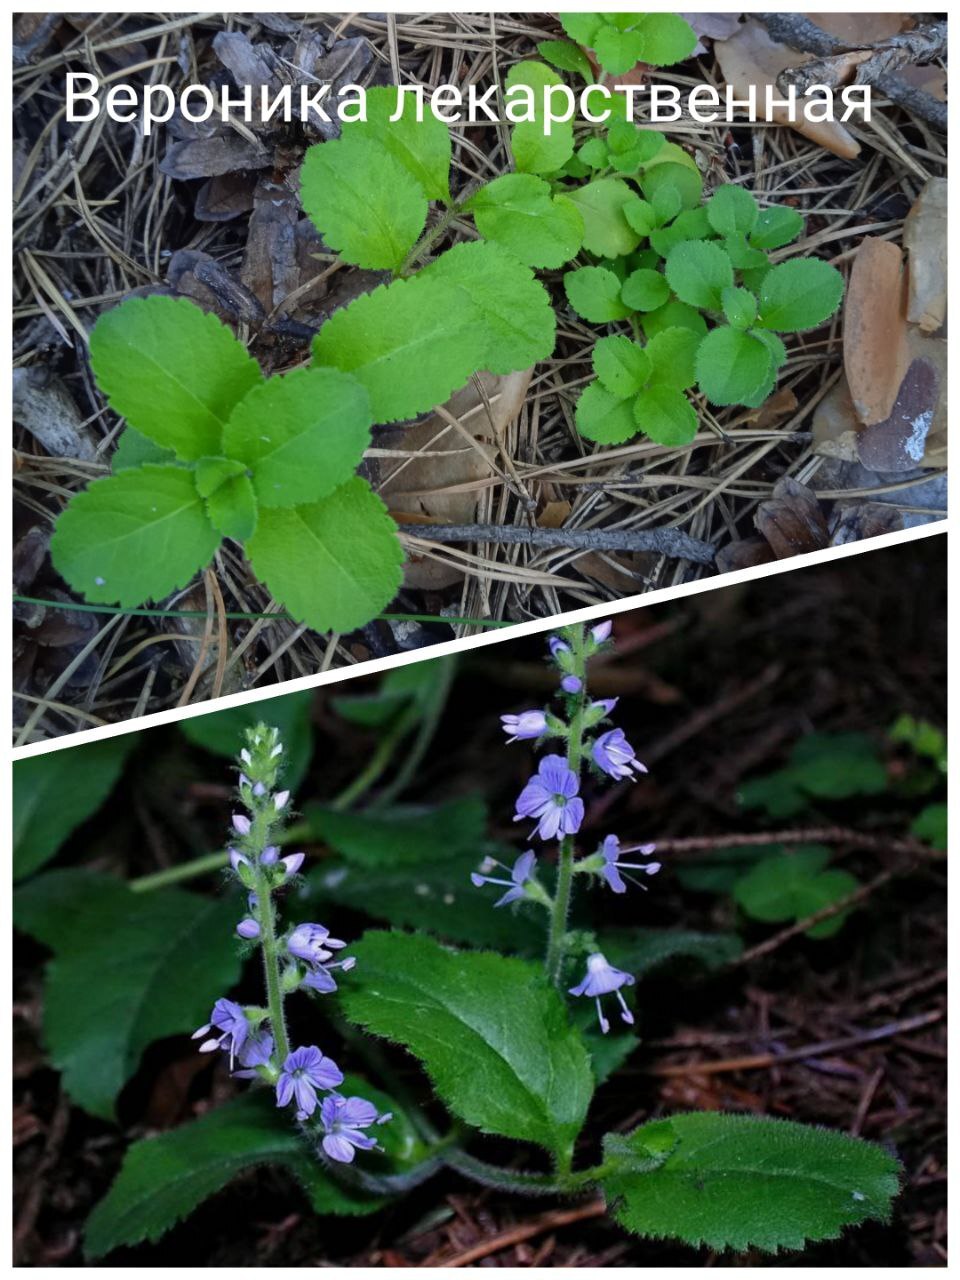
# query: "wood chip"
x,y
875,354
925,240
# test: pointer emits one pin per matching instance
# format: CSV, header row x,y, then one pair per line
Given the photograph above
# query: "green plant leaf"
x,y
535,150
673,354
777,793
666,38
582,27
422,685
672,167
53,794
799,295
731,365
640,951
128,969
775,227
134,536
594,154
641,216
793,884
740,1182
594,293
621,365
411,343
402,834
173,371
232,508
422,146
602,204
739,306
603,417
698,271
834,766
333,564
617,51
566,56
301,434
930,825
515,321
222,732
134,449
722,868
519,212
164,1178
210,473
732,211
491,1033
364,202
665,415
673,315
645,290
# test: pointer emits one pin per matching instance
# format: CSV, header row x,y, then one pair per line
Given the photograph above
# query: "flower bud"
x,y
248,929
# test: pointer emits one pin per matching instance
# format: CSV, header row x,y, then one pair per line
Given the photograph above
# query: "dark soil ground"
x,y
848,1032
102,211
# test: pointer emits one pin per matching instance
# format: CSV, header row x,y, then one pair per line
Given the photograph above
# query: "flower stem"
x,y
271,967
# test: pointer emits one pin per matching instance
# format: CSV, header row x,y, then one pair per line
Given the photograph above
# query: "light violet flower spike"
x,y
571,684
231,1022
613,866
305,1071
241,824
551,797
528,724
312,943
601,979
319,978
615,756
343,1121
522,871
601,631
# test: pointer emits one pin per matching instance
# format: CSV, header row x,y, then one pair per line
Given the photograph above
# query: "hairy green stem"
x,y
182,871
426,242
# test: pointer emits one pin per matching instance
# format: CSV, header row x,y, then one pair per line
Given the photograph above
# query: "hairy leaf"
x,y
403,834
740,1182
739,306
173,371
567,56
519,212
604,417
732,211
645,290
535,150
731,365
515,321
594,293
799,295
134,536
53,794
602,204
640,951
128,969
421,146
134,449
364,202
232,508
621,365
411,343
673,354
673,315
492,1034
333,564
775,227
665,415
698,272
302,435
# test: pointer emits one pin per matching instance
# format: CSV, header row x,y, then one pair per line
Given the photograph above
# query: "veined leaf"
x,y
333,564
516,325
364,202
793,884
567,56
232,509
602,205
665,415
128,969
53,794
492,1034
411,343
173,371
421,146
621,365
534,150
731,365
799,295
645,290
134,449
302,435
605,417
519,212
134,536
740,1182
402,835
594,293
776,227
698,271
732,211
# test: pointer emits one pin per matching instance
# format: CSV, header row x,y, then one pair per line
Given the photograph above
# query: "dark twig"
x,y
924,44
666,542
801,835
518,1234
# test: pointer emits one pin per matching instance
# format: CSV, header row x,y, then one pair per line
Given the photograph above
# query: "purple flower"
x,y
310,942
237,860
305,1071
248,929
600,980
230,1021
269,856
551,796
615,756
613,866
319,978
571,684
605,705
280,800
601,631
343,1121
292,863
528,724
557,645
257,1052
523,870
241,824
